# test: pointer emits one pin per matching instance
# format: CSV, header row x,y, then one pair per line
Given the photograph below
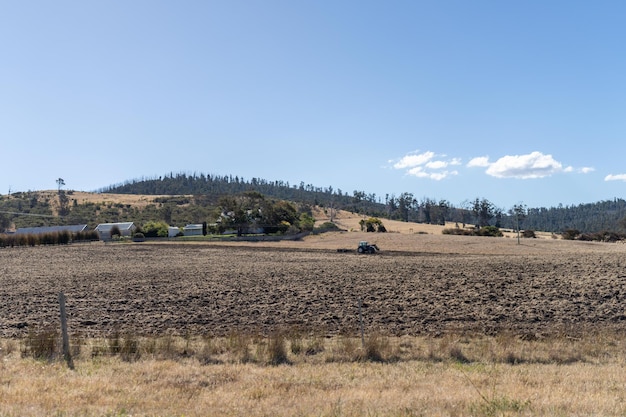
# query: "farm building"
x,y
126,229
51,229
193,230
172,231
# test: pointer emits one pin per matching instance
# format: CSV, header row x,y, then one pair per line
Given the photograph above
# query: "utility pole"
x,y
517,219
519,210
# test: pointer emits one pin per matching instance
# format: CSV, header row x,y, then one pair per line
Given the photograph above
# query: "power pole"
x,y
517,219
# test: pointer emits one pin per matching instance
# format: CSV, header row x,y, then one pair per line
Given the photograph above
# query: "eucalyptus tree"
x,y
483,210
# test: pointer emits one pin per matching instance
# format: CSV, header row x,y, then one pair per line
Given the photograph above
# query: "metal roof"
x,y
105,227
50,229
193,226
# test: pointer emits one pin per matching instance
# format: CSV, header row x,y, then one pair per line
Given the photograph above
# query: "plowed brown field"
x,y
417,284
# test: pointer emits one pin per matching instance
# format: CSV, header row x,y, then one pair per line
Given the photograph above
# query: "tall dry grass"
x,y
294,374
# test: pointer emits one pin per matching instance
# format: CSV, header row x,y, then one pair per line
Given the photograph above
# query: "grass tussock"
x,y
41,344
378,349
238,375
277,350
342,375
293,348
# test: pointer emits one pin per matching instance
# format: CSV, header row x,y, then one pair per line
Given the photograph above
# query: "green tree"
x,y
240,212
115,231
5,223
60,183
439,212
405,202
307,222
497,212
155,229
483,211
251,209
166,211
373,224
64,204
278,216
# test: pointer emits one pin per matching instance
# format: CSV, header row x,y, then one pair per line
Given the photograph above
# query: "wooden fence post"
x,y
66,339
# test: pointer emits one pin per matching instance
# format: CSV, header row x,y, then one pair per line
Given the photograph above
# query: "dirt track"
x,y
418,284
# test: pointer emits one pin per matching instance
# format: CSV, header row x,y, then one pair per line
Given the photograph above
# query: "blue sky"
x,y
515,102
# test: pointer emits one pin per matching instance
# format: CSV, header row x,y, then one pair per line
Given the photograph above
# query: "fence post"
x,y
66,339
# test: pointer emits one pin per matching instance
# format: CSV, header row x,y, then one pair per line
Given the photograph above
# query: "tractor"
x,y
365,247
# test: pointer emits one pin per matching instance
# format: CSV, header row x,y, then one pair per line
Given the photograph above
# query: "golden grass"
x,y
82,197
350,222
448,376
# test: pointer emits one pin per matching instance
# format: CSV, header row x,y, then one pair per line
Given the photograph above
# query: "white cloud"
x,y
413,160
532,165
436,164
424,165
480,161
417,172
587,170
437,176
618,177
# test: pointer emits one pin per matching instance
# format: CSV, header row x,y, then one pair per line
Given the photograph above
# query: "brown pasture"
x,y
427,284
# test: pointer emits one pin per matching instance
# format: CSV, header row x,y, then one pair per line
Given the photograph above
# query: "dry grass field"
x,y
452,326
81,197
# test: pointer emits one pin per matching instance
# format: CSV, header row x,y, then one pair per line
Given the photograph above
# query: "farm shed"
x,y
51,229
172,231
126,229
193,230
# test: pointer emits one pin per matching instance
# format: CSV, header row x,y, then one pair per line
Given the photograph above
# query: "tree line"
x,y
588,218
198,198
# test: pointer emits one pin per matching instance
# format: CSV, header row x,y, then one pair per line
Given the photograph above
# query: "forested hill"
x,y
215,186
586,218
607,215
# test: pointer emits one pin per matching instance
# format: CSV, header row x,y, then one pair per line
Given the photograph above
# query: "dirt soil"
x,y
417,284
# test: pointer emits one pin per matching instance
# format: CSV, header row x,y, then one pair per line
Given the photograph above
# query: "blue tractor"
x,y
365,247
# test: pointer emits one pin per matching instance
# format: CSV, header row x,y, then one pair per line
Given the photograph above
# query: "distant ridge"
x,y
609,215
